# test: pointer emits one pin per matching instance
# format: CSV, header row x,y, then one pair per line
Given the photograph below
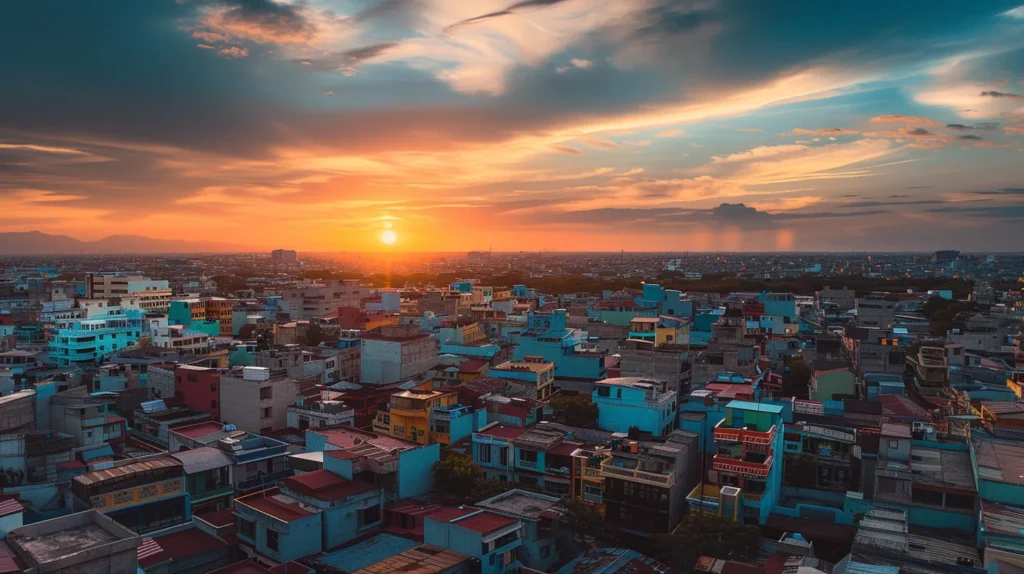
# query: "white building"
x,y
396,353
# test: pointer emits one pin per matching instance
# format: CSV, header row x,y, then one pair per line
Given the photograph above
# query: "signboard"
x,y
132,496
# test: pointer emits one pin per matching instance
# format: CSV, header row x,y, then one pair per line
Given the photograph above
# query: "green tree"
x,y
457,476
586,524
574,411
707,535
315,335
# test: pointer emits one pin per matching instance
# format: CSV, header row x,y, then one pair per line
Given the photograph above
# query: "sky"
x,y
570,125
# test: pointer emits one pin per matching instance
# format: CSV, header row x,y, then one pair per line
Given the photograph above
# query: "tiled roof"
x,y
485,522
272,503
367,552
325,485
10,506
183,544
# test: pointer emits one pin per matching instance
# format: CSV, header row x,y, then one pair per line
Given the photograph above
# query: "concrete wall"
x,y
416,470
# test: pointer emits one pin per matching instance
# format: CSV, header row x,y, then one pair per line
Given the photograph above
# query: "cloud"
x,y
566,149
748,130
982,126
824,132
970,137
909,120
669,133
508,11
262,21
234,52
1003,191
994,94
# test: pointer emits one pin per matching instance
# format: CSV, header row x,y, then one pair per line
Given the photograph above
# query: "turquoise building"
x,y
86,341
544,541
627,402
491,538
666,301
547,336
748,456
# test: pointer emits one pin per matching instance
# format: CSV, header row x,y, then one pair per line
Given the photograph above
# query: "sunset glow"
x,y
388,237
531,125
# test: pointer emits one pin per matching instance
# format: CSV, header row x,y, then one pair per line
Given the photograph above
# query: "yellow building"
x,y
586,481
408,414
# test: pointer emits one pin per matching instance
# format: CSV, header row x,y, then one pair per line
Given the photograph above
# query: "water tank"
x,y
256,373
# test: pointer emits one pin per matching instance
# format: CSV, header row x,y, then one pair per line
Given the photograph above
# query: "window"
x,y
484,453
247,528
213,404
545,552
368,516
603,391
272,539
213,387
527,456
894,444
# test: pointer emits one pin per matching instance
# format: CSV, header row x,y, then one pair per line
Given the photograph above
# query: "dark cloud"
x,y
919,132
988,211
271,17
1004,191
962,127
344,60
512,9
915,187
737,212
748,217
994,94
861,204
970,137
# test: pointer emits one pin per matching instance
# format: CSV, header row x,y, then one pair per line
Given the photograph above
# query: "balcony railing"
x,y
744,435
589,472
666,480
752,497
261,481
481,437
527,464
732,465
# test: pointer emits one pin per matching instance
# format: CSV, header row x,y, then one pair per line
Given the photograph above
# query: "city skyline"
x,y
569,125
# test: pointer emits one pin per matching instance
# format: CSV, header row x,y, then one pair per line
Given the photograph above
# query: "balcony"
x,y
589,472
527,464
488,439
261,481
744,435
636,475
735,466
753,497
594,498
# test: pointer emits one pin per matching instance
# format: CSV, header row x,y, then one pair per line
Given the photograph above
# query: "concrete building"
x,y
544,541
534,374
148,296
114,285
311,300
876,312
547,336
748,445
92,421
396,353
143,495
283,256
83,542
835,300
669,363
256,400
407,414
18,411
254,461
200,314
627,403
320,413
85,342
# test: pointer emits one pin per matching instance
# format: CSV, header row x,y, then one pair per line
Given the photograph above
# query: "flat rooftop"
x,y
57,545
520,503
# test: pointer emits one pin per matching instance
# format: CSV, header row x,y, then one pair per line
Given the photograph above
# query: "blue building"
x,y
547,336
627,402
781,304
84,342
462,286
667,301
403,468
144,496
748,441
544,541
489,537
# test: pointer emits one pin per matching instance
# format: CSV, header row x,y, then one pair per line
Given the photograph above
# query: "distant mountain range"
x,y
38,243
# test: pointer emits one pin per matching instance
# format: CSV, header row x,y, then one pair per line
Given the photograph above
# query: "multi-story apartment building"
x,y
143,495
199,313
181,339
111,285
533,374
876,312
646,482
538,457
311,300
747,442
85,342
79,542
254,461
319,413
283,256
544,541
408,414
18,411
395,353
627,403
255,399
92,421
669,363
547,336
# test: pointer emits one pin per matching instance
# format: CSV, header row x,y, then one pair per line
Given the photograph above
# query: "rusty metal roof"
x,y
100,476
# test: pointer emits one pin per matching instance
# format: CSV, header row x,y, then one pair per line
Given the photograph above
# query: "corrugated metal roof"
x,y
202,459
10,506
368,552
102,451
153,406
99,476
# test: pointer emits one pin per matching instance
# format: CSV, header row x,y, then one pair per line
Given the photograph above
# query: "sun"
x,y
388,237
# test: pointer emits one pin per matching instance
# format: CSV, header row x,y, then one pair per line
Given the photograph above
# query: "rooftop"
x,y
199,430
521,503
367,552
756,407
611,560
325,485
99,476
533,366
346,437
999,461
64,543
895,430
633,382
182,544
484,522
945,468
503,431
276,505
424,559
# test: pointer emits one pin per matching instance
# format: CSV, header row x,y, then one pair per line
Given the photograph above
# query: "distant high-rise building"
x,y
283,256
478,256
946,256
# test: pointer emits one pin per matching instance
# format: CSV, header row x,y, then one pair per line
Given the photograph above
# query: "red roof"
x,y
272,503
503,431
218,518
485,522
449,513
10,506
199,430
897,406
325,485
342,454
243,567
183,544
345,437
472,366
71,464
